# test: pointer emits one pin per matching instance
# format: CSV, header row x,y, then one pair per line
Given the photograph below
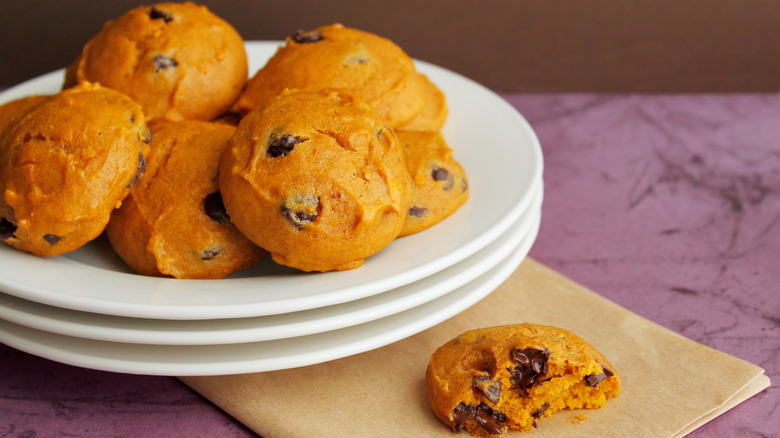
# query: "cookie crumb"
x,y
578,418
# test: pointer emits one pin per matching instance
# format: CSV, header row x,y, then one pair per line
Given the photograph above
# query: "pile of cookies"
x,y
326,155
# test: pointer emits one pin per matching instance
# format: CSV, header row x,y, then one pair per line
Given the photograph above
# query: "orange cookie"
x,y
372,68
179,61
434,111
489,380
15,108
440,183
66,164
317,179
173,222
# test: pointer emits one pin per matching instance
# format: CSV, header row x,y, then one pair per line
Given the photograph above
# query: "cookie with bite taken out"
x,y
489,380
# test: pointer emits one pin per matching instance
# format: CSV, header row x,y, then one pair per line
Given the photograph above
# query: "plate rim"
x,y
82,324
167,366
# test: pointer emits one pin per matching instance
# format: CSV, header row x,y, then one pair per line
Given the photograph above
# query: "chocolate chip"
x,y
156,14
282,145
460,415
301,211
215,208
139,171
146,136
439,174
162,62
531,366
490,419
209,254
7,228
302,37
540,412
489,387
595,379
417,211
52,239
131,118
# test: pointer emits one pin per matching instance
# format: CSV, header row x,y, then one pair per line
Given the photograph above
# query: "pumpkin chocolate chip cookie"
x,y
66,164
440,183
316,179
179,61
173,222
372,68
489,380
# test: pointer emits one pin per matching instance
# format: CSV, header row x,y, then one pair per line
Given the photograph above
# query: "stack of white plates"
x,y
86,308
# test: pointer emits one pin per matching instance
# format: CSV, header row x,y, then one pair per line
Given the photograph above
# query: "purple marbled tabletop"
x,y
666,205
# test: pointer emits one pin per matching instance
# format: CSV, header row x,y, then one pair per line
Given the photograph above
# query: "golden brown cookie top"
x,y
371,67
434,111
321,177
179,61
67,162
173,222
440,182
15,108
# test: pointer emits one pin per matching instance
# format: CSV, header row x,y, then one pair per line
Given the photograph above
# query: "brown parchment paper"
x,y
670,384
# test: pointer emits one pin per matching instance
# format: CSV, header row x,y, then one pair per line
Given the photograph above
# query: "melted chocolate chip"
x,y
209,254
140,170
460,415
540,412
161,62
595,379
302,37
215,208
490,419
282,145
52,239
7,228
301,211
417,211
439,174
156,14
489,387
531,366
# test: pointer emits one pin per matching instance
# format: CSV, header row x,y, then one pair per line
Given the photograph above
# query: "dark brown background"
x,y
508,45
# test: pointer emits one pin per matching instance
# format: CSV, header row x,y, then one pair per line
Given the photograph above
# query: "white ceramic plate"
x,y
202,360
265,328
495,145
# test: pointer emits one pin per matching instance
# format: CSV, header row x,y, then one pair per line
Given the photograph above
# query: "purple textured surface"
x,y
667,205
